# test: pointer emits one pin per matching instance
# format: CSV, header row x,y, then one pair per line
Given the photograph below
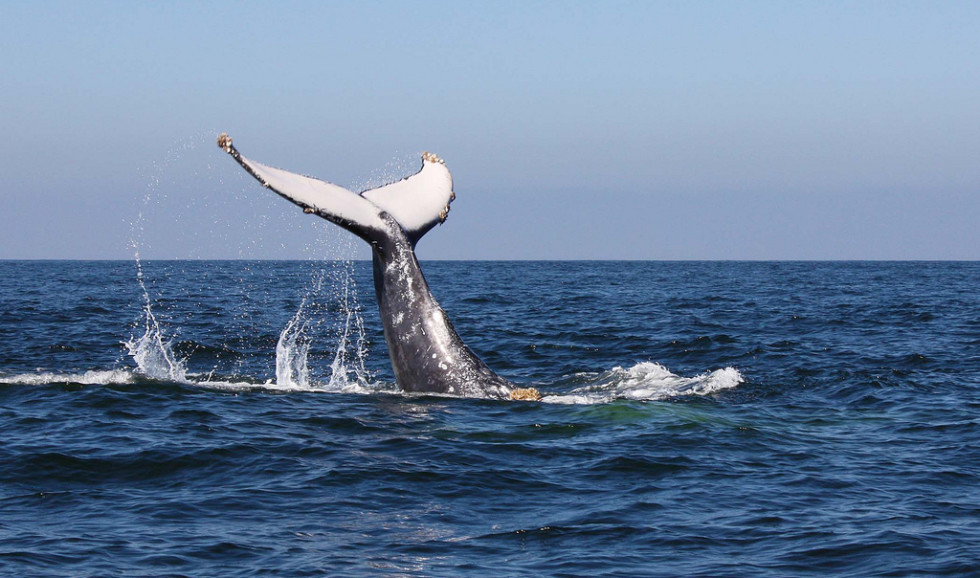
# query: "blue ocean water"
x,y
238,418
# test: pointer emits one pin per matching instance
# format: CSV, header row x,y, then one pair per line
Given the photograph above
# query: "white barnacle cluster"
x,y
224,142
432,158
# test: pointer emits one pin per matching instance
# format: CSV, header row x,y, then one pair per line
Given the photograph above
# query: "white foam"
x,y
647,381
333,386
94,377
128,376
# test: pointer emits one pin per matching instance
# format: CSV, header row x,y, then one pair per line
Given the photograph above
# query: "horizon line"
x,y
583,260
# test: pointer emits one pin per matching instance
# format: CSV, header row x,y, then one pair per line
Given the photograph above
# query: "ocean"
x,y
239,418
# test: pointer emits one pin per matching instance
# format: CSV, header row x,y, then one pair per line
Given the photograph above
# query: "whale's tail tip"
x,y
429,157
225,142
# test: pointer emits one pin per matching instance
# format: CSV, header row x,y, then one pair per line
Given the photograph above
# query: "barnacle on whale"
x,y
525,394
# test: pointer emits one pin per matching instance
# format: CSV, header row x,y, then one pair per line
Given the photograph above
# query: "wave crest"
x,y
93,377
647,381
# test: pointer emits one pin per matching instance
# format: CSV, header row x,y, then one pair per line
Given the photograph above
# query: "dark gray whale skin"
x,y
427,355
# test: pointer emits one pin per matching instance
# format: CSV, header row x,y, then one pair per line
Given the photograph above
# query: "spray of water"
x,y
292,350
152,351
334,315
351,351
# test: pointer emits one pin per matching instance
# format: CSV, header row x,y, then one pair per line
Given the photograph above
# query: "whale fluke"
x,y
417,203
427,355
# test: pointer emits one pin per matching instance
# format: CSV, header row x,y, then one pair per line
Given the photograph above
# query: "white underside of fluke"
x,y
417,203
319,195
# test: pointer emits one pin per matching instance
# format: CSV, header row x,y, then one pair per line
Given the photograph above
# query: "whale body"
x,y
427,355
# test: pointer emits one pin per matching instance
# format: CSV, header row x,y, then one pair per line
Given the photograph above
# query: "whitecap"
x,y
646,381
93,377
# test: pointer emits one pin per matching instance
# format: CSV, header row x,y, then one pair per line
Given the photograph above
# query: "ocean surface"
x,y
239,418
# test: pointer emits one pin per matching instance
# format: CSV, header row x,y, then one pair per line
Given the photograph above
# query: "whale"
x,y
427,355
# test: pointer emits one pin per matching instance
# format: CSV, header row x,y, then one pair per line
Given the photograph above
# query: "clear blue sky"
x,y
623,130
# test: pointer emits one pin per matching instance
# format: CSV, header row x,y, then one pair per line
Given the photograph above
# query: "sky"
x,y
574,130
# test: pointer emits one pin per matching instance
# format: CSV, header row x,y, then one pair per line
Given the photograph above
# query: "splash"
x,y
347,368
351,350
393,171
292,351
293,347
348,371
647,381
152,351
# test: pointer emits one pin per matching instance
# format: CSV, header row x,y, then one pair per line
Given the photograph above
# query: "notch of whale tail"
x,y
417,203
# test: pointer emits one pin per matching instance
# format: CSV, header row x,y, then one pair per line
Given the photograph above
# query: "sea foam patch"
x,y
93,377
647,381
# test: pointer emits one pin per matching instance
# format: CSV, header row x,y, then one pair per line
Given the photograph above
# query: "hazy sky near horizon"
x,y
574,130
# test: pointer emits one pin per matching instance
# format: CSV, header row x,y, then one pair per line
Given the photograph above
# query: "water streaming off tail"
x,y
351,351
330,314
292,351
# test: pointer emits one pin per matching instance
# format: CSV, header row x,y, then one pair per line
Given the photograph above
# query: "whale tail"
x,y
417,203
427,355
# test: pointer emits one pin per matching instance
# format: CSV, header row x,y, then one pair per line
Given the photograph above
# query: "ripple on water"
x,y
728,419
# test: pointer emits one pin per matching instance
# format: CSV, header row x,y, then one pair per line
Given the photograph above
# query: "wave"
x,y
93,377
646,381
